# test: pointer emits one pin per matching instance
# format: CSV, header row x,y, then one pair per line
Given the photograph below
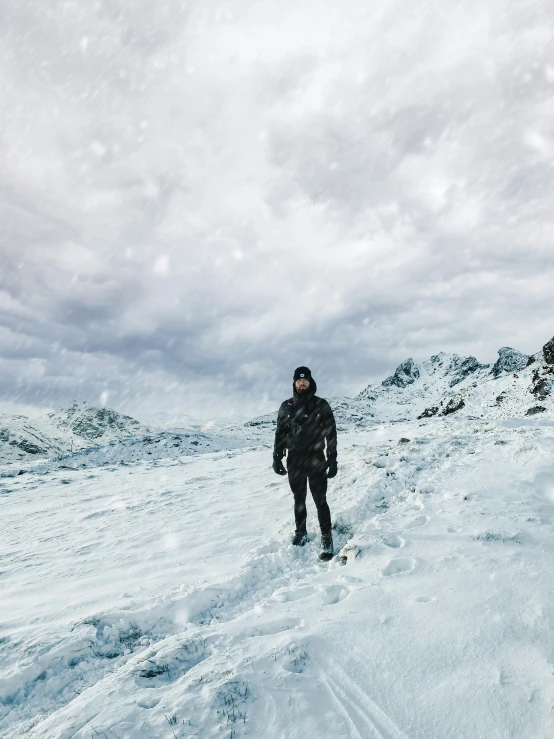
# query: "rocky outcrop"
x,y
548,352
452,406
27,446
406,374
541,386
445,408
535,409
462,367
429,412
509,360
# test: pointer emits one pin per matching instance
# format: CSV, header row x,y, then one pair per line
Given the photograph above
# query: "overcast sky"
x,y
196,197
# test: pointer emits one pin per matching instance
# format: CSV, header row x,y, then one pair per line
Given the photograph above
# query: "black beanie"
x,y
300,372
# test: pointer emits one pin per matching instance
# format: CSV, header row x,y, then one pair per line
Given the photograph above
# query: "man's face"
x,y
302,385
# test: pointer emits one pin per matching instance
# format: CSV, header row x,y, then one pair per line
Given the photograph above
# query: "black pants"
x,y
312,468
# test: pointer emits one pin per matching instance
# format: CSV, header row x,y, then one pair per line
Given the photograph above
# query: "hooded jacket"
x,y
304,424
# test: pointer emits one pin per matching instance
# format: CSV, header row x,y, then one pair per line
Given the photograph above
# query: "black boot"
x,y
300,538
326,546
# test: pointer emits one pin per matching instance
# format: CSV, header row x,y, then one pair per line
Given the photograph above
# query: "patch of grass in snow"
x,y
131,637
230,702
171,663
497,536
154,670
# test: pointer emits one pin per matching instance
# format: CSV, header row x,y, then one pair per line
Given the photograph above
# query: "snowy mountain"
x,y
83,435
77,427
516,385
89,423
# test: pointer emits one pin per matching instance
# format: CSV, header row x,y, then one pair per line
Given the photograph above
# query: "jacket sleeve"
x,y
330,431
281,432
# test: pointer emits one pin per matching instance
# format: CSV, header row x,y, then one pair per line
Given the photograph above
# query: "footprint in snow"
x,y
334,594
274,627
147,701
285,596
419,521
393,540
399,566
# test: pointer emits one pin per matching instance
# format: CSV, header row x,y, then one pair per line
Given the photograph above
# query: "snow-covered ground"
x,y
163,599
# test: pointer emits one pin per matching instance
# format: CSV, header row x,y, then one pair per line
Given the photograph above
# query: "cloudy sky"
x,y
198,196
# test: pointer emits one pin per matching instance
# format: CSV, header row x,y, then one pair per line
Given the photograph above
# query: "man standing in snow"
x,y
304,424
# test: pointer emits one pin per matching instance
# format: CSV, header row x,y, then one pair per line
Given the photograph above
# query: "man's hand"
x,y
332,467
278,466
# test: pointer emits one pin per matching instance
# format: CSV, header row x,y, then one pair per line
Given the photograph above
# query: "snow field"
x,y
439,625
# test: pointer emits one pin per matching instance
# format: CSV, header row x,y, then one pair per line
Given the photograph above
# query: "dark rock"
x,y
429,412
541,388
531,360
406,374
445,408
541,385
535,409
29,447
500,398
509,360
548,352
454,404
463,367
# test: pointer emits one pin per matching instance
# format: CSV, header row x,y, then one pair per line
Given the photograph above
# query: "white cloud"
x,y
208,188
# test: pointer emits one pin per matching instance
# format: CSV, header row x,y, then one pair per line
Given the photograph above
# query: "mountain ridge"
x,y
446,384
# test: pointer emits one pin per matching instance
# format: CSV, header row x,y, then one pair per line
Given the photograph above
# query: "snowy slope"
x,y
23,439
171,603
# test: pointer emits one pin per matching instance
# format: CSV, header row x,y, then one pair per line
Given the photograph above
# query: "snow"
x,y
163,598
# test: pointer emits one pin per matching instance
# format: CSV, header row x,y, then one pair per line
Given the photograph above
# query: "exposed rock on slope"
x,y
509,360
445,407
548,352
406,374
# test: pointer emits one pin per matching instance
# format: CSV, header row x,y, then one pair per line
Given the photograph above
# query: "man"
x,y
304,424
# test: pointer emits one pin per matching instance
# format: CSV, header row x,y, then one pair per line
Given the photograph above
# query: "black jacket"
x,y
304,423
